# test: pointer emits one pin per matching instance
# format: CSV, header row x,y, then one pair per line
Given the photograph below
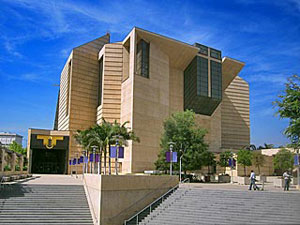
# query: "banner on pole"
x,y
81,159
113,152
74,162
91,157
231,162
70,162
296,160
97,158
170,158
86,159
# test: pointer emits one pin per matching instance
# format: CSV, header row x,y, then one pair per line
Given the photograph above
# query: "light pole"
x,y
117,137
298,169
171,144
83,166
231,168
180,162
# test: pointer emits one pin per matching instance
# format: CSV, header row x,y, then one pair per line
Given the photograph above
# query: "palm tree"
x,y
121,135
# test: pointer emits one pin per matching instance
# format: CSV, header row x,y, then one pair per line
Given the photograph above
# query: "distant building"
x,y
8,138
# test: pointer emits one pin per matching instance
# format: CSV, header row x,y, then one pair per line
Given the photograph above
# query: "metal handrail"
x,y
161,198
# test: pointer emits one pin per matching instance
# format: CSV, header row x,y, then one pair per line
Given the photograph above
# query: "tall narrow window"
x,y
68,87
100,81
142,58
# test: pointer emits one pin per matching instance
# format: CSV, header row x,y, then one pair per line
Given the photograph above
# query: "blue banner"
x,y
91,157
81,159
86,159
170,157
70,162
113,152
296,160
74,162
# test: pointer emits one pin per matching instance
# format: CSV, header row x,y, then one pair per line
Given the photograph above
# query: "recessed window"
x,y
142,58
215,53
100,81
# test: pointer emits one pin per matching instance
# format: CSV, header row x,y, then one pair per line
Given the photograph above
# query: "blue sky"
x,y
37,36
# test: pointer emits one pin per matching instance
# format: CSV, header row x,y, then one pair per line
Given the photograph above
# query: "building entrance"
x,y
48,161
48,153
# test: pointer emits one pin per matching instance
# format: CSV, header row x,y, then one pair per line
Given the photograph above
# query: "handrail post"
x,y
137,219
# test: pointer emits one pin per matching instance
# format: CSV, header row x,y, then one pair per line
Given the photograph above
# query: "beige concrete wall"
x,y
150,109
83,92
110,109
235,115
122,196
63,107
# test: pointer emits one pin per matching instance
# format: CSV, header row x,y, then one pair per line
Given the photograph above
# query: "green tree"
x,y
208,159
224,159
283,160
14,146
258,160
181,129
244,158
289,107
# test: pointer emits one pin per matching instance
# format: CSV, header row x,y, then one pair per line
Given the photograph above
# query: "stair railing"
x,y
134,220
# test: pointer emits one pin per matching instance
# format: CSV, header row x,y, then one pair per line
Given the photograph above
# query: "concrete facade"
x,y
105,80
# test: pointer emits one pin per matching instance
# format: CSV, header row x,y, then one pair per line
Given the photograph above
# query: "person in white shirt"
x,y
287,179
252,181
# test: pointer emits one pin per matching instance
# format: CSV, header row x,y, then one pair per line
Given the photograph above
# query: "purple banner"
x,y
86,159
78,161
113,152
81,159
74,162
168,156
231,162
91,157
97,158
70,162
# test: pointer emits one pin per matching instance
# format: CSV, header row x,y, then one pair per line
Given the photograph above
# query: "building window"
x,y
202,49
100,81
142,58
215,53
202,76
216,79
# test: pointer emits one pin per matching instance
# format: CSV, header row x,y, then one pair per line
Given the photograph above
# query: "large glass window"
x,y
216,79
202,76
142,58
100,81
215,53
202,49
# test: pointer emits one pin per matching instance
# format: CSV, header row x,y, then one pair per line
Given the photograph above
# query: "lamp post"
x,y
94,159
180,162
83,166
298,169
171,144
117,137
231,168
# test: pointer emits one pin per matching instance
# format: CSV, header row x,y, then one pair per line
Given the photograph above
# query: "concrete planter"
x,y
243,180
261,178
223,179
279,182
271,179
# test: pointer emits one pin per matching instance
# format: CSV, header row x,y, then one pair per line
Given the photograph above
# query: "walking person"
x,y
287,179
252,181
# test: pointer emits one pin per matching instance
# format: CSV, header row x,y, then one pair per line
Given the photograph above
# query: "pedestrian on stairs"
x,y
252,181
287,179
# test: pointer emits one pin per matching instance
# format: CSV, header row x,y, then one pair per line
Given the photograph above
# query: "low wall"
x,y
116,198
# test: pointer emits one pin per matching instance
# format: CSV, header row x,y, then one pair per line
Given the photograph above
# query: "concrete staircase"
x,y
194,205
43,204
